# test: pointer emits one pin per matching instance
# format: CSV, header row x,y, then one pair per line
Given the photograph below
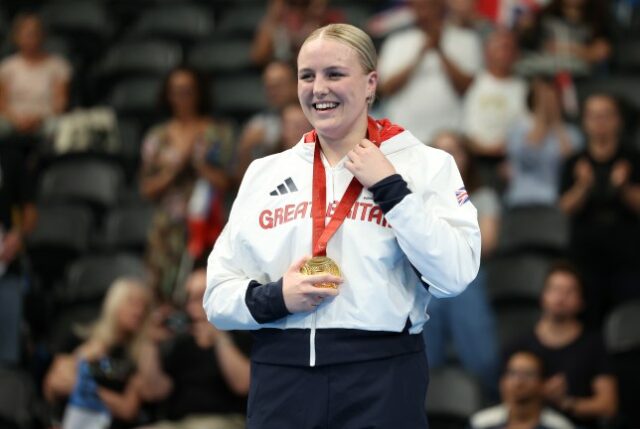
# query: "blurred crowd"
x,y
126,128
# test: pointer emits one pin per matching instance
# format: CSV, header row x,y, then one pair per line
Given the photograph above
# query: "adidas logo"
x,y
285,188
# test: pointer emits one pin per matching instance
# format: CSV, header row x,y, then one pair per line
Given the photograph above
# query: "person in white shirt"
x,y
34,85
496,99
522,387
425,70
401,230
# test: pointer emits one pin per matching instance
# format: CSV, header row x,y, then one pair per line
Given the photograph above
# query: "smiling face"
x,y
333,87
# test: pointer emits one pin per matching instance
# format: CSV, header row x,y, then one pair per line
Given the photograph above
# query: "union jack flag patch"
x,y
462,196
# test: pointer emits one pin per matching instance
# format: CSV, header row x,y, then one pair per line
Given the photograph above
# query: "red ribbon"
x,y
322,233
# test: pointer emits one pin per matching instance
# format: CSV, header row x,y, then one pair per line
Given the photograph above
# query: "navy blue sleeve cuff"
x,y
389,191
265,301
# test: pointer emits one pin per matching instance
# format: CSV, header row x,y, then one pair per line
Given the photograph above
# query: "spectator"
x,y
600,192
100,375
572,33
203,377
16,197
468,319
537,146
495,99
522,390
263,131
581,382
286,25
294,125
188,151
425,70
34,85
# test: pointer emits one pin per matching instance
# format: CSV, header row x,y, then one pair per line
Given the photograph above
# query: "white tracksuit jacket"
x,y
433,230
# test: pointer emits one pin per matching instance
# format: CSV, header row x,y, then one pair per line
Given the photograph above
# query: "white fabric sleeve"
x,y
224,298
440,237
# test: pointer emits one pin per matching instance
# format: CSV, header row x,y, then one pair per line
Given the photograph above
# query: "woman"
x,y
341,350
468,319
537,146
99,376
187,152
572,33
34,85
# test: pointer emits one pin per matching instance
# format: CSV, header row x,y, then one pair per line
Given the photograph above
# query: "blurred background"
x,y
126,127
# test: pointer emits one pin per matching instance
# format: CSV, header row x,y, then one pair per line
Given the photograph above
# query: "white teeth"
x,y
326,105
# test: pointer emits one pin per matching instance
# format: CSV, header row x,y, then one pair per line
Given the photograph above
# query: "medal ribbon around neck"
x,y
322,233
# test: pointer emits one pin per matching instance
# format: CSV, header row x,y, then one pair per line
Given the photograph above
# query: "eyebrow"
x,y
326,69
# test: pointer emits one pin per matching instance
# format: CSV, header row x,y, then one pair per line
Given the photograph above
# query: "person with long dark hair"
x,y
187,149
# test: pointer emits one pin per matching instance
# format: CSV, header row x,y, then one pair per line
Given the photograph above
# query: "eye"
x,y
334,75
307,77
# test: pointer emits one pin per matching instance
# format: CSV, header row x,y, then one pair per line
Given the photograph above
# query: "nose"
x,y
320,87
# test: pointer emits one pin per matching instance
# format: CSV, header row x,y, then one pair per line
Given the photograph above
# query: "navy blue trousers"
x,y
379,394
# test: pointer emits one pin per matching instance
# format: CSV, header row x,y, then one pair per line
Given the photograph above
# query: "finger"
x,y
323,278
296,266
365,143
325,292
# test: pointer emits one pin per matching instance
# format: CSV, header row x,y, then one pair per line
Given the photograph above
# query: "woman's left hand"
x,y
368,164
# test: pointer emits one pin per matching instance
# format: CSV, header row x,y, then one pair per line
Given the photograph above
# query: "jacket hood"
x,y
382,130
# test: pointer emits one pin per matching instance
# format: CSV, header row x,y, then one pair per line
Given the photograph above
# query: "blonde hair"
x,y
353,37
105,330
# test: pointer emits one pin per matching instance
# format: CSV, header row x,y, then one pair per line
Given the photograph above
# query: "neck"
x,y
185,118
499,72
603,148
32,55
525,414
558,331
336,149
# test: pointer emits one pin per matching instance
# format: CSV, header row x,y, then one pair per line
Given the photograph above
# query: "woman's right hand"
x,y
299,290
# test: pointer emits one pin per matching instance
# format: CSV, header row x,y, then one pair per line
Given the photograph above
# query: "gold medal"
x,y
321,265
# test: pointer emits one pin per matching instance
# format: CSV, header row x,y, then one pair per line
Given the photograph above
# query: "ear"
x,y
372,83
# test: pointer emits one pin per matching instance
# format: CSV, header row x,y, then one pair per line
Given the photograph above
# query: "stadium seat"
x,y
622,337
516,278
515,321
4,24
183,22
242,20
77,17
17,399
136,97
452,398
89,181
126,228
220,56
238,95
538,228
89,277
142,58
622,329
627,56
356,14
61,235
625,87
